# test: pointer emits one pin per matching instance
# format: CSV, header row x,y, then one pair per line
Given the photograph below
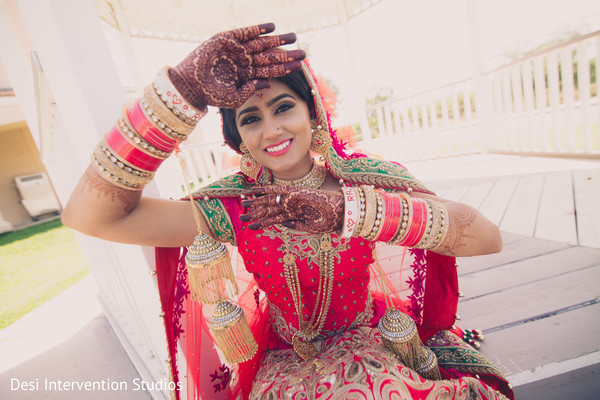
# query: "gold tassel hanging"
x,y
428,367
399,334
232,334
209,270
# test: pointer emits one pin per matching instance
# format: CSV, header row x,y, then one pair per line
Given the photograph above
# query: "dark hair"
x,y
296,82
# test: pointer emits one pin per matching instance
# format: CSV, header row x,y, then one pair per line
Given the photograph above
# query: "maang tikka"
x,y
248,164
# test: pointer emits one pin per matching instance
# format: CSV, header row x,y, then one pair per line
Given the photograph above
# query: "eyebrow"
x,y
269,103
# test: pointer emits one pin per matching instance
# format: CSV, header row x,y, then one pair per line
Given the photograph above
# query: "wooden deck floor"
x,y
537,301
558,205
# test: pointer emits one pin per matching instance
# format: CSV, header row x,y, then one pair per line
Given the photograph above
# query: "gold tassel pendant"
x,y
232,334
428,368
209,270
399,334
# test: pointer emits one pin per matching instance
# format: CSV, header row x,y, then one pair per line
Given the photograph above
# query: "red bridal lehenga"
x,y
337,282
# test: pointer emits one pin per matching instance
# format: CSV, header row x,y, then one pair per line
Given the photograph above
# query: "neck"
x,y
313,179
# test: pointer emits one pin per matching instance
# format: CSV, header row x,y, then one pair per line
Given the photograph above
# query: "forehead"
x,y
275,90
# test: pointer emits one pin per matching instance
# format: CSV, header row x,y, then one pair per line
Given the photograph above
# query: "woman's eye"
x,y
248,120
283,107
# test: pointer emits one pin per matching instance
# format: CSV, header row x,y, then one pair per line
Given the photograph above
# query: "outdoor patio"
x,y
536,301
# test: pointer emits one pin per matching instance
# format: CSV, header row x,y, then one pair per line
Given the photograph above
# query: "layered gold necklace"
x,y
313,180
309,329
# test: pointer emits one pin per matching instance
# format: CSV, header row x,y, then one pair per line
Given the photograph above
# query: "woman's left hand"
x,y
308,210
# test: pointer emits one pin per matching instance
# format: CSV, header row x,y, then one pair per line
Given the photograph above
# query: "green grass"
x,y
36,264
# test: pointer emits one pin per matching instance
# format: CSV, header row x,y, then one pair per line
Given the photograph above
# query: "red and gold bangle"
x,y
418,223
392,217
158,112
147,130
138,140
351,213
128,152
404,226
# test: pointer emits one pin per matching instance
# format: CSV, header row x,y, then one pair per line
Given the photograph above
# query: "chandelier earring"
x,y
321,141
248,164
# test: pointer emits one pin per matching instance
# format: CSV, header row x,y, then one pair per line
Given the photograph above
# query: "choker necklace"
x,y
313,180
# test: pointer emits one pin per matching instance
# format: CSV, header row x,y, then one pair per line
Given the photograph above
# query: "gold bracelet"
x,y
377,225
116,171
361,211
370,210
162,118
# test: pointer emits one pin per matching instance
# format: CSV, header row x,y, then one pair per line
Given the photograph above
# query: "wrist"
x,y
187,91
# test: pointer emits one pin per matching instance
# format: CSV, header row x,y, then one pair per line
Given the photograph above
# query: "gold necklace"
x,y
313,180
309,330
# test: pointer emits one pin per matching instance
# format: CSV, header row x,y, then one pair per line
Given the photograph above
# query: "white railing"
x,y
205,163
545,104
436,123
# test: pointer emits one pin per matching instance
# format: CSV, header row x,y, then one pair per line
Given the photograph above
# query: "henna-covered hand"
x,y
228,68
308,210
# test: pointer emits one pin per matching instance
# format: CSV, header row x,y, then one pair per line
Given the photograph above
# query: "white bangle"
x,y
174,100
351,214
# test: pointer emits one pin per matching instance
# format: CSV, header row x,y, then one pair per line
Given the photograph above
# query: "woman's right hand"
x,y
228,68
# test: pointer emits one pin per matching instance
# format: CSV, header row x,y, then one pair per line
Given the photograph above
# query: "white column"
x,y
481,89
357,97
76,67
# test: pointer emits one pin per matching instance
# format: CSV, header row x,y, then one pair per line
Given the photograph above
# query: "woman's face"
x,y
275,127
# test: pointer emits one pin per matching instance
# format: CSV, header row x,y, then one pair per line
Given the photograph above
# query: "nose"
x,y
272,127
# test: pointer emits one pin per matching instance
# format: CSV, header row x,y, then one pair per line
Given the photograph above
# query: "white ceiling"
x,y
195,20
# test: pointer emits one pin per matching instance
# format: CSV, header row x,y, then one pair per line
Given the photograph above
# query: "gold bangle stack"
x,y
161,117
118,171
370,210
437,226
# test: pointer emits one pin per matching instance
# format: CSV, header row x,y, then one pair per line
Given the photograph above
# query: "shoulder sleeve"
x,y
222,215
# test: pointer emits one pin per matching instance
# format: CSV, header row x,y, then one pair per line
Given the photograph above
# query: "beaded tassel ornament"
x,y
399,334
211,280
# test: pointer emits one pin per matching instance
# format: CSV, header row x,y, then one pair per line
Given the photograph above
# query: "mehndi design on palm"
x,y
308,210
228,68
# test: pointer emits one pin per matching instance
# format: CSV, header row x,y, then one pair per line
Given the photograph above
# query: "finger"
x,y
276,71
261,213
263,43
271,189
270,221
252,32
277,57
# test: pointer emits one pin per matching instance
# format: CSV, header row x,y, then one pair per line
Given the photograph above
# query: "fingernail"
x,y
244,218
292,67
246,203
266,28
258,190
287,38
261,84
254,226
296,55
